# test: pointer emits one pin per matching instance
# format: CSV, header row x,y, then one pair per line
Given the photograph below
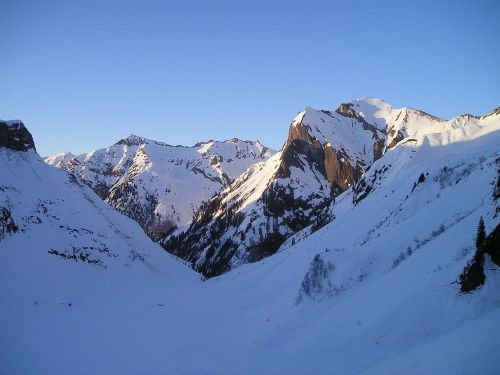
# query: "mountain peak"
x,y
235,140
371,100
132,140
370,105
201,143
15,136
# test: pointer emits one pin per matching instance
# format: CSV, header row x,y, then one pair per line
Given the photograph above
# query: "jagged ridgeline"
x,y
158,185
326,153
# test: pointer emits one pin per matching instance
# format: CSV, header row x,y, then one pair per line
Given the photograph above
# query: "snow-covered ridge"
x,y
327,152
159,185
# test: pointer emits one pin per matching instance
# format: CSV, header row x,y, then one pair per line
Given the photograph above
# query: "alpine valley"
x,y
368,244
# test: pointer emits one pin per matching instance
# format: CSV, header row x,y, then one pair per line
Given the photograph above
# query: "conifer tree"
x,y
481,234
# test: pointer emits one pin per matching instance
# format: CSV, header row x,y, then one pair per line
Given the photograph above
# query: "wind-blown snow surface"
x,y
158,185
378,309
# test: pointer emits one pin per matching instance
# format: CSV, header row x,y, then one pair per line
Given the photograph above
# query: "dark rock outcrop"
x,y
395,137
339,172
15,136
300,142
347,110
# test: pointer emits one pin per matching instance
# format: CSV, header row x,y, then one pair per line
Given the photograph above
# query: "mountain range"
x,y
158,185
219,205
368,244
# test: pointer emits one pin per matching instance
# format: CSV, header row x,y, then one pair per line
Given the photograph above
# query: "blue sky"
x,y
83,74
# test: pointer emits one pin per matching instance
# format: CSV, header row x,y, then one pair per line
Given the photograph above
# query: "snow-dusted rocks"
x,y
15,136
158,185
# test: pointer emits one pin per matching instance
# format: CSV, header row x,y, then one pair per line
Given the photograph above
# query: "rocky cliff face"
x,y
333,164
15,136
325,154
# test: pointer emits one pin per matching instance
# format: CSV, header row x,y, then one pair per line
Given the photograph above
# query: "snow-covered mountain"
x,y
326,153
374,291
158,185
57,235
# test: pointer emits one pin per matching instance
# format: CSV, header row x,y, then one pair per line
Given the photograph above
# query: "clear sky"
x,y
83,74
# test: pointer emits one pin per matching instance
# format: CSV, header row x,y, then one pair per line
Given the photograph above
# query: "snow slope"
x,y
349,298
158,185
60,243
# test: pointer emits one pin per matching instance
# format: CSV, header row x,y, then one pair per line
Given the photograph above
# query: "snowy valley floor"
x,y
247,322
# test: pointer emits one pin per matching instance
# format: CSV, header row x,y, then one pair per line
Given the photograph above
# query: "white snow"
x,y
157,317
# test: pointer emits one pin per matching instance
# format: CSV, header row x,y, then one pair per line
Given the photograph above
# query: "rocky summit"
x,y
15,136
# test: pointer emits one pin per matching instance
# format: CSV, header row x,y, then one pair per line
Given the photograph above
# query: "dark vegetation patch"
x,y
7,224
473,275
